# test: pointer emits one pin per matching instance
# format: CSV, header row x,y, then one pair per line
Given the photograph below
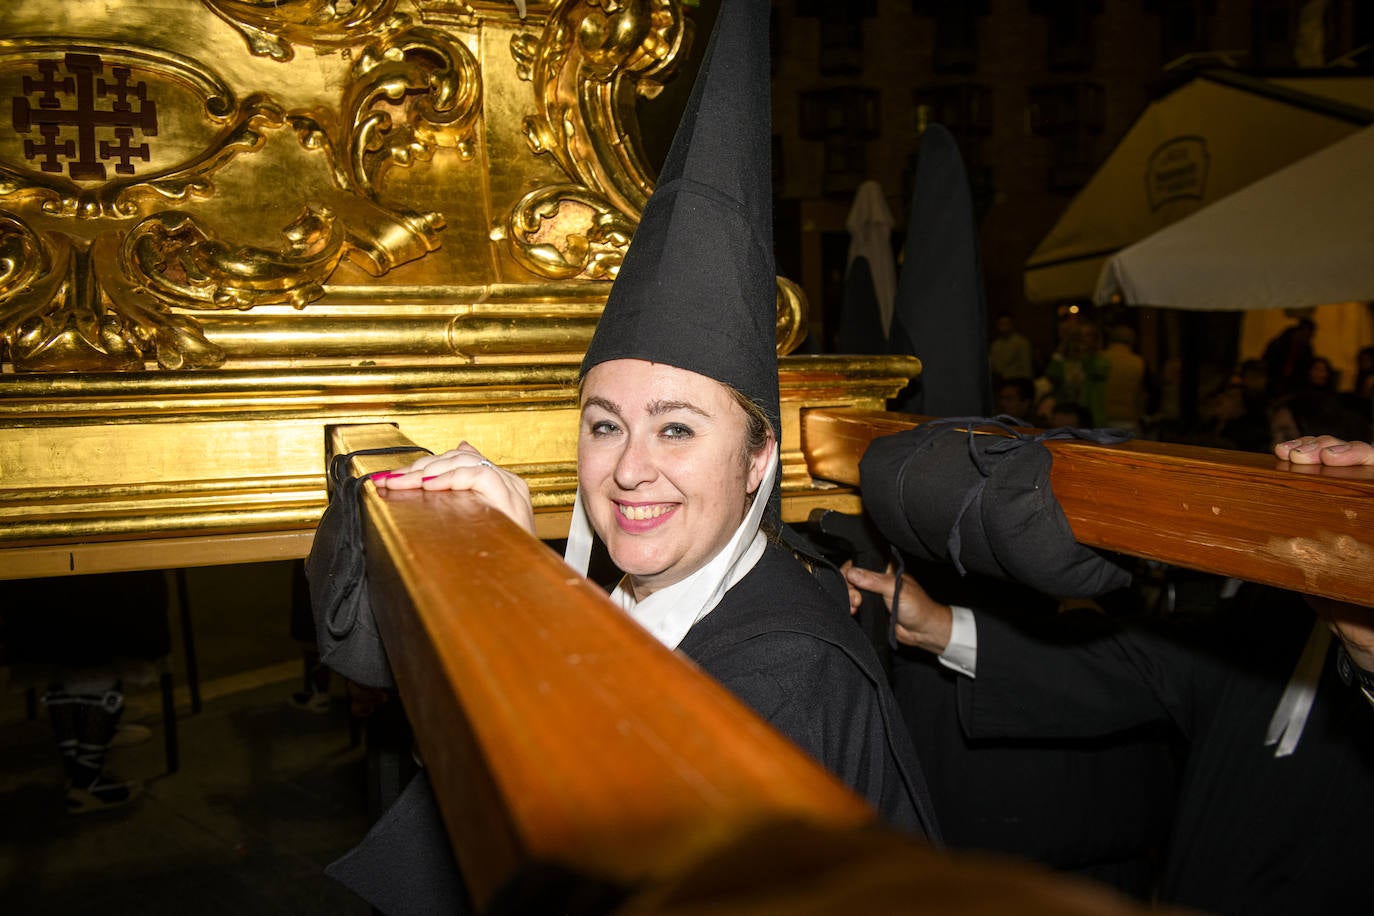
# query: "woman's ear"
x,y
758,464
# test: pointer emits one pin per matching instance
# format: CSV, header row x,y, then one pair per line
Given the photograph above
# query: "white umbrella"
x,y
1303,236
1210,137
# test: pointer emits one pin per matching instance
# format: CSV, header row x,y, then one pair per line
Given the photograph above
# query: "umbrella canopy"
x,y
1212,136
1302,236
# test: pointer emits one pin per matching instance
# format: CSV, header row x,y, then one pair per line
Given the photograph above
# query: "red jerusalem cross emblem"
x,y
97,128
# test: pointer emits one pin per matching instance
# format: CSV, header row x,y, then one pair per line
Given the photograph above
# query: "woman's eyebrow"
x,y
596,401
657,408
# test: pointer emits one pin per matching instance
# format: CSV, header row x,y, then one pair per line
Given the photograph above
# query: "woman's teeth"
x,y
639,513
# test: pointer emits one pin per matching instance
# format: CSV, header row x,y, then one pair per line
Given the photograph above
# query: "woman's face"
x,y
662,467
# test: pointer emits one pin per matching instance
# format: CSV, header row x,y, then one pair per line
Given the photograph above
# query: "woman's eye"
x,y
677,431
604,428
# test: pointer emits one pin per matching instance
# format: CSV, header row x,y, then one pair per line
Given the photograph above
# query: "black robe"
x,y
792,653
780,643
1252,833
1058,802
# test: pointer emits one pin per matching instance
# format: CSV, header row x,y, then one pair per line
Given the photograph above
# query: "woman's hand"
x,y
922,621
464,468
1325,450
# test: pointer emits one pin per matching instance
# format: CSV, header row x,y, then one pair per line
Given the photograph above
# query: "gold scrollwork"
x,y
178,263
589,55
271,26
569,231
59,311
791,329
438,82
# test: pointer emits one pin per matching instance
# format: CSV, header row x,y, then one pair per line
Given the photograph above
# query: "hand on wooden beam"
x,y
1326,450
1352,624
465,468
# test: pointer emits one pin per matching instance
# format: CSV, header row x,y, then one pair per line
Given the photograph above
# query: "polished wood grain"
x,y
1231,513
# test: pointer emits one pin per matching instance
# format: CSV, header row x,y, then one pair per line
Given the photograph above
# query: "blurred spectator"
x,y
1364,373
1078,369
1016,398
1321,376
1289,357
1009,354
1124,397
1312,414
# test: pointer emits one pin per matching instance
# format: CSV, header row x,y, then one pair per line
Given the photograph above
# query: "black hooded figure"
x,y
940,314
861,323
697,291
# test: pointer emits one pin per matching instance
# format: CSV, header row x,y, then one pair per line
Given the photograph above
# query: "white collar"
x,y
670,612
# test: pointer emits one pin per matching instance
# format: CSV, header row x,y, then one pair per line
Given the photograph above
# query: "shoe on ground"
x,y
102,795
314,701
129,734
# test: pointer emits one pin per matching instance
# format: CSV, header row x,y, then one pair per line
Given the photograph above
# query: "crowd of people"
x,y
1290,390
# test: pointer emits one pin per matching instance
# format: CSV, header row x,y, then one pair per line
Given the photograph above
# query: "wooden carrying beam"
x,y
1231,513
557,732
558,729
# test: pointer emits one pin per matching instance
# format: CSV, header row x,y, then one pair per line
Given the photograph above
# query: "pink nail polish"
x,y
383,475
423,479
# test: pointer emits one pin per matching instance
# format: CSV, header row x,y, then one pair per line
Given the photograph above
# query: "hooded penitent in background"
x,y
870,284
940,314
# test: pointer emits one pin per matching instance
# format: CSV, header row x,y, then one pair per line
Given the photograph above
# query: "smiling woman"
x,y
677,457
664,470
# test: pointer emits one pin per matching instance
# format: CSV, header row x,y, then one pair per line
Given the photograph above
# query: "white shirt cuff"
x,y
962,652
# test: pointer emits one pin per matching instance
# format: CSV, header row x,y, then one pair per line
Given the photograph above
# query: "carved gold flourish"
x,y
271,26
178,262
420,73
589,56
59,310
791,329
568,231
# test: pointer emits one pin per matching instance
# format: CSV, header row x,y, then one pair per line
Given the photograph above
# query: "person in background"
x,y
1009,354
1078,370
1124,395
1364,373
1321,375
1016,398
1289,356
83,637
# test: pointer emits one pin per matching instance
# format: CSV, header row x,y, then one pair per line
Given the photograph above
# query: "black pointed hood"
x,y
940,314
697,287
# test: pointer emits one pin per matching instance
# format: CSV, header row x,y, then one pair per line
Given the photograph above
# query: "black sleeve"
x,y
1079,676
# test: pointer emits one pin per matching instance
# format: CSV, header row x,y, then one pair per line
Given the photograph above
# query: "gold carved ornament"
x,y
102,237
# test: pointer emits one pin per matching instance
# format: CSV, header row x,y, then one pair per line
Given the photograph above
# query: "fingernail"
x,y
1291,443
1337,449
423,479
383,475
1306,448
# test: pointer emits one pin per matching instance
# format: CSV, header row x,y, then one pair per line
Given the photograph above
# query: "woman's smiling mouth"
x,y
642,517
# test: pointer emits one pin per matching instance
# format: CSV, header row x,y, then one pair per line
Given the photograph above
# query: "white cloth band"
x,y
1290,716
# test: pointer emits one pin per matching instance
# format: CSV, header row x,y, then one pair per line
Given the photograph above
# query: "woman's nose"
x,y
634,465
